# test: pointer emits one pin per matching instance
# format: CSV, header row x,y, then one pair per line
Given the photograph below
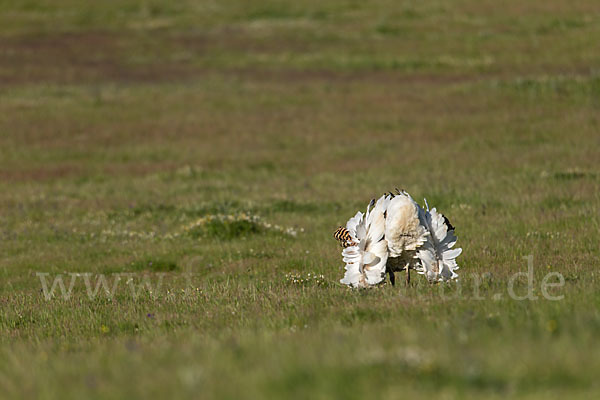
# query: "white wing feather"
x,y
438,258
365,262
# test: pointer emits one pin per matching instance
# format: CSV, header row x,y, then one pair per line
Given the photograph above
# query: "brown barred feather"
x,y
343,235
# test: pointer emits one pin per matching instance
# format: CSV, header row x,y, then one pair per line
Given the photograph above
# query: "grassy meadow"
x,y
203,152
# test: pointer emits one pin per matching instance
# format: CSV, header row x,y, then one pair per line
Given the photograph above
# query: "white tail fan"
x,y
403,229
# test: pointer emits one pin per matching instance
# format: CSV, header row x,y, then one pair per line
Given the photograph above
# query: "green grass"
x,y
204,152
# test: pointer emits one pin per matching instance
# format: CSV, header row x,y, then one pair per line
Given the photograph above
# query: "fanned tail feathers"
x,y
403,230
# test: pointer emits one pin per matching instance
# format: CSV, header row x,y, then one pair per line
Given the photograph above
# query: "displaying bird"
x,y
397,234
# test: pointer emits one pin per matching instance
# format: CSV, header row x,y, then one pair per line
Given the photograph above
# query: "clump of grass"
x,y
231,226
224,226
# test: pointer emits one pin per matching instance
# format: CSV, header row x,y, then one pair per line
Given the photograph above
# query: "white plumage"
x,y
397,234
403,229
366,260
438,259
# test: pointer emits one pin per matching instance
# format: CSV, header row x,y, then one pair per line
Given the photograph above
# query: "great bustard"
x,y
396,234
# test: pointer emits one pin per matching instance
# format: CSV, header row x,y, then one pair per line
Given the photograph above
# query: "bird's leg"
x,y
392,278
407,276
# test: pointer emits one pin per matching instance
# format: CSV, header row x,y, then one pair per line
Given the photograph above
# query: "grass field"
x,y
213,147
